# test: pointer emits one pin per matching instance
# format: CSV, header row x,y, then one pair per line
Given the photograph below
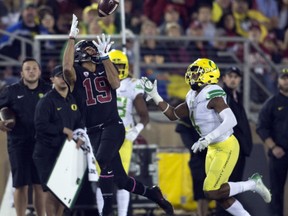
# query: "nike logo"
x,y
280,108
59,108
109,172
20,96
122,90
120,122
100,73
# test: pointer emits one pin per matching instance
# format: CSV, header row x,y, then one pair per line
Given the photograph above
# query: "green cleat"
x,y
260,188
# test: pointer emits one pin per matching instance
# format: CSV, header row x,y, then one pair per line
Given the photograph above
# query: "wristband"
x,y
72,38
157,99
104,57
139,127
166,108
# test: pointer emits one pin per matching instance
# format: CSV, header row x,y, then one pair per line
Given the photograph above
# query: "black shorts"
x,y
197,167
23,168
44,159
107,142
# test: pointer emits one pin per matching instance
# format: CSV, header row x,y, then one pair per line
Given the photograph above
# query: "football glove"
x,y
200,145
151,90
133,133
74,30
103,45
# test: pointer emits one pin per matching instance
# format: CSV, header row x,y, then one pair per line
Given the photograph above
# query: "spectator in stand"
x,y
107,24
227,23
283,16
177,52
244,18
89,14
272,51
8,76
26,28
133,17
171,15
199,48
204,16
260,66
63,23
268,8
9,13
47,19
94,27
153,52
155,9
271,48
219,9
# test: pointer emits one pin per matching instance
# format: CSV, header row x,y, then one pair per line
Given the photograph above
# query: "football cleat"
x,y
260,188
162,202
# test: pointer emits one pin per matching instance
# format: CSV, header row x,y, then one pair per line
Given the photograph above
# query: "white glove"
x,y
133,133
200,145
151,90
103,46
74,30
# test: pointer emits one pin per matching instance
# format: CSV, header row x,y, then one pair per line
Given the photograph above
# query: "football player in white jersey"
x,y
129,96
213,119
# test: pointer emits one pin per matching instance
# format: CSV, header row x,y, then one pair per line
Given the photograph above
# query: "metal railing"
x,y
43,55
6,60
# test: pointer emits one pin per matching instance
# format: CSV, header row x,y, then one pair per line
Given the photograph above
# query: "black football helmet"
x,y
82,56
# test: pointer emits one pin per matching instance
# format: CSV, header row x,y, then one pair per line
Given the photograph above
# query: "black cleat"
x,y
161,201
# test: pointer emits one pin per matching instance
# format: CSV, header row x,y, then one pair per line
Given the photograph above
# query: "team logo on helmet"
x,y
202,71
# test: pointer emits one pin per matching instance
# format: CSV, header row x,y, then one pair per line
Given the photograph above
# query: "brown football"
x,y
107,7
8,114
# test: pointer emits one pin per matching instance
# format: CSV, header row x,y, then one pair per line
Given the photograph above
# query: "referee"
x,y
56,116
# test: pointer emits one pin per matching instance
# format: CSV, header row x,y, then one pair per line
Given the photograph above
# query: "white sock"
x,y
237,209
99,200
240,187
123,197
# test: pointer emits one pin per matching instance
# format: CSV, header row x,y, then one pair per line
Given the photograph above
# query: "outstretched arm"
x,y
103,45
68,58
171,112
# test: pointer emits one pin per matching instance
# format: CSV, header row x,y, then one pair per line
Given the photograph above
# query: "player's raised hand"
x,y
74,30
151,90
103,45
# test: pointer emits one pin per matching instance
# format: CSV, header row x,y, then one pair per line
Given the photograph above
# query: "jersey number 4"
x,y
98,87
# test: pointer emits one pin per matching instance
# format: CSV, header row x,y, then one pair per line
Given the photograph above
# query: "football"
x,y
8,114
107,7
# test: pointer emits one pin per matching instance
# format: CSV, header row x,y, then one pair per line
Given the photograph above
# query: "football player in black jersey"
x,y
93,79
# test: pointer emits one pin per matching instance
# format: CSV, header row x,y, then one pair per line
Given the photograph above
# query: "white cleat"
x,y
260,188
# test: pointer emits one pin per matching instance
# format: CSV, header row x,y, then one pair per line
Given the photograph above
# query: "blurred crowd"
x,y
264,22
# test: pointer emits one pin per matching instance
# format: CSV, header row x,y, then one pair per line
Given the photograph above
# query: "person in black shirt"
x,y
56,117
22,98
272,127
189,136
231,84
93,79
